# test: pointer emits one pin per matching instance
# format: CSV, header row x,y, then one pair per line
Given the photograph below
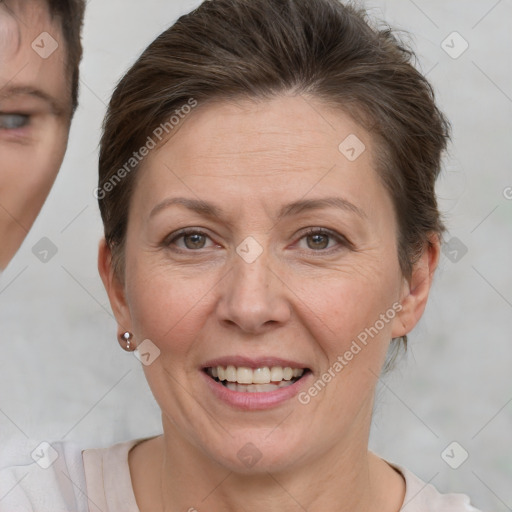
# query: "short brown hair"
x,y
260,48
70,14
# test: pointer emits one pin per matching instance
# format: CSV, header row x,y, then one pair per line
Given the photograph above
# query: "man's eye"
x,y
13,121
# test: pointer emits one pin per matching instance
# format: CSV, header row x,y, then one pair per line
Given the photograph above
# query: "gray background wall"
x,y
62,373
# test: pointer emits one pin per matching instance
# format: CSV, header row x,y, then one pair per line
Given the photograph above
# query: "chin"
x,y
262,452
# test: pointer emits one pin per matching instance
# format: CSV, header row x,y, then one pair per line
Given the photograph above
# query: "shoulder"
x,y
107,473
41,477
424,497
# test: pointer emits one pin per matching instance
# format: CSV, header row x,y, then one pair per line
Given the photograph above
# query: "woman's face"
x,y
290,260
35,110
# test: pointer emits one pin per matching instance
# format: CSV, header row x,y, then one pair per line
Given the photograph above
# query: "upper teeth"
x,y
265,375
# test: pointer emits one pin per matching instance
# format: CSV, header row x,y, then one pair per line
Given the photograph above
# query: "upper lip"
x,y
247,362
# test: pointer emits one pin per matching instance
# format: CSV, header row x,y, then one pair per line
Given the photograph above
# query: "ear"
x,y
115,289
416,289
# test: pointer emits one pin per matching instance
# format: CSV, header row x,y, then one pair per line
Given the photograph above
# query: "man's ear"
x,y
114,287
416,289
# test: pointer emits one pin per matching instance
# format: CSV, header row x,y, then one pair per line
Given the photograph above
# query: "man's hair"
x,y
70,14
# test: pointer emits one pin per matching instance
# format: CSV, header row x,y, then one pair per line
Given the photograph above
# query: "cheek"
x,y
33,166
27,180
165,307
354,334
344,305
51,147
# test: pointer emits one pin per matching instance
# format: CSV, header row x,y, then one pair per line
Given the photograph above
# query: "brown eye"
x,y
194,241
188,240
323,241
318,241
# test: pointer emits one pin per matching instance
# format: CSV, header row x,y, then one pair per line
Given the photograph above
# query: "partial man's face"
x,y
35,113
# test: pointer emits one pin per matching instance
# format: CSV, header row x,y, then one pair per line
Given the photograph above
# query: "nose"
x,y
253,297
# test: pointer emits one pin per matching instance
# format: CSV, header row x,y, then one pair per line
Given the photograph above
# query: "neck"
x,y
178,476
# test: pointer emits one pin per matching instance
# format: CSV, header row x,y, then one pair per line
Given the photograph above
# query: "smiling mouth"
x,y
258,380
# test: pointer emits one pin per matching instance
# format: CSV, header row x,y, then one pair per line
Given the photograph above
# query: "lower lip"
x,y
255,401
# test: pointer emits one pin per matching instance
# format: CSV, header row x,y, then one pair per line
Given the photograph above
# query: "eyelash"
x,y
310,232
26,120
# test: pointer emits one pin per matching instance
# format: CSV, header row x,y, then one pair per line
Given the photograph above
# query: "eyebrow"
x,y
210,210
56,106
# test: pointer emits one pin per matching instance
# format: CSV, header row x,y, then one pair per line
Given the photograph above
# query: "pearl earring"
x,y
125,340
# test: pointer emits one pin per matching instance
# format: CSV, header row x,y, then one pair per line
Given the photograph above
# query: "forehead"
x,y
10,34
279,149
283,130
32,51
264,138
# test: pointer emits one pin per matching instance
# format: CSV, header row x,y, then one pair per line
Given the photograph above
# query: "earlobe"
x,y
416,289
114,288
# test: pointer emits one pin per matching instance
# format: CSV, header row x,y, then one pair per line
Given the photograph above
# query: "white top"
x,y
98,480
